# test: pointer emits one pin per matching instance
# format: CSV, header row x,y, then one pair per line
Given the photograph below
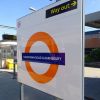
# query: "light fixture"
x,y
32,9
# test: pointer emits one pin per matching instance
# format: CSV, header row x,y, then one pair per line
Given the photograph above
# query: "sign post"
x,y
50,49
22,91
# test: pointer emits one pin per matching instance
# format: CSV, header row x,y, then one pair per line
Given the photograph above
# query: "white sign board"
x,y
50,49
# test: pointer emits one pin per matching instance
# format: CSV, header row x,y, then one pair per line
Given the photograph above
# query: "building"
x,y
8,49
92,38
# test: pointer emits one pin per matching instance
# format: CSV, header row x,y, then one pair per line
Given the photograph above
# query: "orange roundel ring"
x,y
51,72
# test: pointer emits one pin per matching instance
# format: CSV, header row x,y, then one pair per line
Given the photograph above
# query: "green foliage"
x,y
88,58
94,56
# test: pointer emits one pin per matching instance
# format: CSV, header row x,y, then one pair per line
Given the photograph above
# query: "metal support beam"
x,y
8,27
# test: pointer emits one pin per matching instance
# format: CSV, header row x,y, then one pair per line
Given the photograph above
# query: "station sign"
x,y
50,49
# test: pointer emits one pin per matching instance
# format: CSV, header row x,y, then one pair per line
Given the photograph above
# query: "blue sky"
x,y
90,7
11,10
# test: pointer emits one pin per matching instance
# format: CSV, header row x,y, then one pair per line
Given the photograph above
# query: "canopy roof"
x,y
93,20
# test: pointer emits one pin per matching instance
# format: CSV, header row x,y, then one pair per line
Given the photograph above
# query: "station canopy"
x,y
93,20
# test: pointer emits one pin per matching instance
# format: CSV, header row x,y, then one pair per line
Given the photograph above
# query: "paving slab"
x,y
10,90
92,83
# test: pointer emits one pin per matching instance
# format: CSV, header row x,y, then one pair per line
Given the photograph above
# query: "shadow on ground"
x,y
92,88
10,90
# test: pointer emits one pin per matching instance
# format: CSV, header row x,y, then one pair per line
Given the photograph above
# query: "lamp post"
x,y
32,9
14,53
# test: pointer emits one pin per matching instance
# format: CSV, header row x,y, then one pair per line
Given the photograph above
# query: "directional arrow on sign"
x,y
74,3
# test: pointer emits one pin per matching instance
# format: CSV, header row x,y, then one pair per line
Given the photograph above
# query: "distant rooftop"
x,y
92,32
93,20
5,43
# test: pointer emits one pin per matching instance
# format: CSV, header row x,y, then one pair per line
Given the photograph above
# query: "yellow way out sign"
x,y
65,7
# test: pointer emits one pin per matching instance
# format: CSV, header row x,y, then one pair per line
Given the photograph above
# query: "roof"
x,y
93,20
92,32
4,43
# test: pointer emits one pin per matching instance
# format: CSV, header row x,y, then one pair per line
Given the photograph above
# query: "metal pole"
x,y
8,27
14,71
21,91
